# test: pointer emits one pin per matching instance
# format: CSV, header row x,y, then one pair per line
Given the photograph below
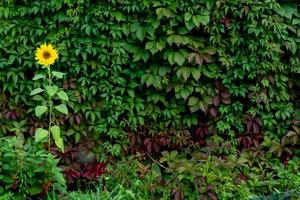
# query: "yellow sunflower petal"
x,y
46,55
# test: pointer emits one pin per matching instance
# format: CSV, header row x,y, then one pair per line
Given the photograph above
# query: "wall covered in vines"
x,y
214,80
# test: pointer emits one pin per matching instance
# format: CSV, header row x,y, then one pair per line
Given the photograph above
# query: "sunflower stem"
x,y
50,110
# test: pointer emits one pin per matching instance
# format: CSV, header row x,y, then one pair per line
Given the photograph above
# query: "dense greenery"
x,y
27,170
180,99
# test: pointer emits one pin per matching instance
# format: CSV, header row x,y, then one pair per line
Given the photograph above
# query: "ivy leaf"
x,y
40,110
164,12
179,58
193,101
63,96
40,134
185,72
36,91
187,16
141,33
58,74
152,46
131,93
62,108
196,73
38,76
202,106
287,10
201,19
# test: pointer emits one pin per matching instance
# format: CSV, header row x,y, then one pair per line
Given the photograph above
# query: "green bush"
x,y
27,170
212,78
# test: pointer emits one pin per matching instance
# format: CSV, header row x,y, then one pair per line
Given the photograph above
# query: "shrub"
x,y
27,170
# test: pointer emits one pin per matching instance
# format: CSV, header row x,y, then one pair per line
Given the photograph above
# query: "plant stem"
x,y
50,110
156,161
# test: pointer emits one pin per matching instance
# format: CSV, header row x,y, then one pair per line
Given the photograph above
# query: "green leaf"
x,y
140,33
164,12
58,74
131,93
38,76
179,58
62,108
36,91
63,96
184,72
287,10
55,130
40,134
201,19
295,22
34,190
51,90
60,144
40,110
202,106
196,73
193,101
187,17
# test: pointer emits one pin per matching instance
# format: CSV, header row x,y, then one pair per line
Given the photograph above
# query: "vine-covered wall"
x,y
147,75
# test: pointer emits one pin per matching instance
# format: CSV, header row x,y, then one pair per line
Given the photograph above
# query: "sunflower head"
x,y
46,55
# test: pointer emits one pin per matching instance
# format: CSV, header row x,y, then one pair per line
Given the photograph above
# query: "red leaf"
x,y
255,128
147,140
198,59
207,58
71,174
258,121
212,196
249,126
226,101
218,85
156,147
149,147
213,112
94,170
216,100
78,120
225,95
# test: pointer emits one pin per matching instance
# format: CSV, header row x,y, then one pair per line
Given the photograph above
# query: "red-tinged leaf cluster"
x,y
204,189
176,194
152,146
250,140
143,142
79,162
253,125
86,171
241,178
200,58
74,119
200,135
70,84
11,114
223,95
226,21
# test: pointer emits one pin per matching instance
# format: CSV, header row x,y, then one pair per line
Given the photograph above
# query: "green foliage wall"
x,y
158,74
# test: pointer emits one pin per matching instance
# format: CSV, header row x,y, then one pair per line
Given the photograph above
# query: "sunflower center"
x,y
46,55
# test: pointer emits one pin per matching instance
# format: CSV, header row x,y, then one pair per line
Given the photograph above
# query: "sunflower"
x,y
46,55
